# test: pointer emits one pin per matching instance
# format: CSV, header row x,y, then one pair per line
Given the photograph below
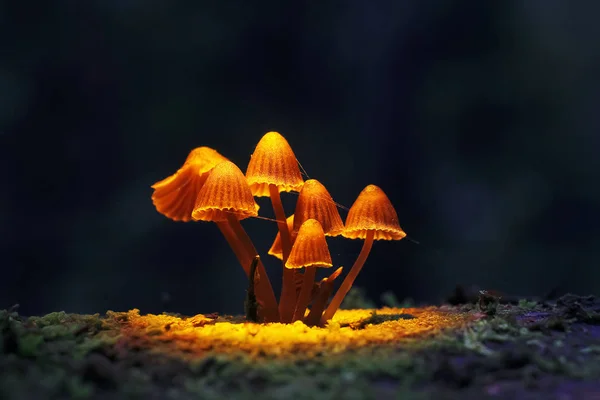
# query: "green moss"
x,y
54,318
376,319
56,331
89,344
29,344
78,389
52,359
389,299
527,305
357,298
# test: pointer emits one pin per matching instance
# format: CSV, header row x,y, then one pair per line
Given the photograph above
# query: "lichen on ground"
x,y
541,350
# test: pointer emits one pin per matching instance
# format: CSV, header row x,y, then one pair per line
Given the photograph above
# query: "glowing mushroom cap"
x,y
175,196
276,250
225,192
315,202
373,211
310,248
273,163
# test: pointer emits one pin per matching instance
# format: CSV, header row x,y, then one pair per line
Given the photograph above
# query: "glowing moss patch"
x,y
349,329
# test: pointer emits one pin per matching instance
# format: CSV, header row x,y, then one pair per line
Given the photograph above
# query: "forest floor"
x,y
482,349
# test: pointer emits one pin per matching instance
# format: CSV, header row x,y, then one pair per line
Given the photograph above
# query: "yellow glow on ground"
x,y
200,334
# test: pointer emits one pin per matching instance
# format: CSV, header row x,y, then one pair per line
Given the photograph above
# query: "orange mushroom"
x,y
272,169
315,202
273,163
310,247
276,250
175,196
371,217
310,250
226,199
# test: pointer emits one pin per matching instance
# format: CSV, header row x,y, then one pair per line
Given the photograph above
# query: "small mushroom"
x,y
371,217
314,201
310,247
175,196
225,196
273,163
272,169
226,199
276,251
310,250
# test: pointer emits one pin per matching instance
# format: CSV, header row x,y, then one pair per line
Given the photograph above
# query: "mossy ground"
x,y
526,350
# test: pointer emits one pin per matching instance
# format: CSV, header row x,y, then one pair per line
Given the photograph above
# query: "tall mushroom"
x,y
314,202
175,196
272,169
310,250
226,199
371,217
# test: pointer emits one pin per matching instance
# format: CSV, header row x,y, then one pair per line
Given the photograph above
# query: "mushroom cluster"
x,y
209,187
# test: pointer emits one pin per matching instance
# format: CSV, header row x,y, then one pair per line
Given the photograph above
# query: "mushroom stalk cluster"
x,y
209,187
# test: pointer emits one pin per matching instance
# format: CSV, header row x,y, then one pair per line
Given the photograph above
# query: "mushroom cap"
x,y
225,192
276,250
175,196
273,163
310,247
315,202
373,211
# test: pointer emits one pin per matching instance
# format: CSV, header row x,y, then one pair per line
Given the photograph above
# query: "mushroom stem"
x,y
251,303
305,292
235,245
287,301
264,290
314,316
347,283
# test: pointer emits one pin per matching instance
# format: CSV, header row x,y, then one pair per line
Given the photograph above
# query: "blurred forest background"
x,y
478,118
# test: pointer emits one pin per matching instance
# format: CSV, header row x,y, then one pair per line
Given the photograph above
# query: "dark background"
x,y
479,119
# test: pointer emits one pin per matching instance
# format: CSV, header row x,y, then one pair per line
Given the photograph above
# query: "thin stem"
x,y
305,292
287,301
236,246
286,238
314,316
251,304
264,290
347,283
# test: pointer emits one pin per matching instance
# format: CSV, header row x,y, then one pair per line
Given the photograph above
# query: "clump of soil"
x,y
476,350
